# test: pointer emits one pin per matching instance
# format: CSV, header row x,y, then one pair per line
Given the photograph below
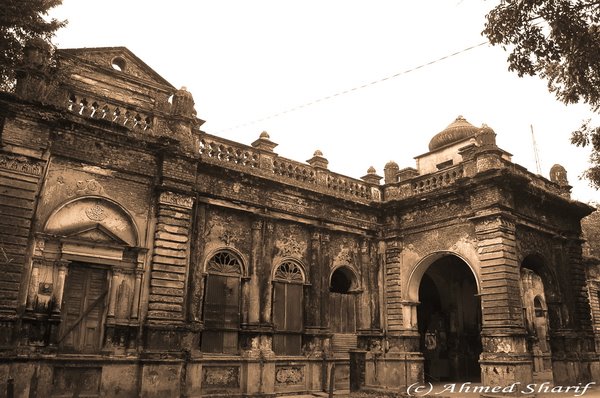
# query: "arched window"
x,y
221,312
287,308
538,308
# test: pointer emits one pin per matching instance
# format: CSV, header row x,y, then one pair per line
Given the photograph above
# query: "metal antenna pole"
x,y
535,152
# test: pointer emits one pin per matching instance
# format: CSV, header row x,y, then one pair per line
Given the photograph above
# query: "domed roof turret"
x,y
457,131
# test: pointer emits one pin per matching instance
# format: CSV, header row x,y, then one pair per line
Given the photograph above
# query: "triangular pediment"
x,y
97,234
118,59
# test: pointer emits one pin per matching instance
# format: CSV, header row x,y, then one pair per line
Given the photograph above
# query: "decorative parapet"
x,y
538,181
99,109
437,180
420,184
229,154
480,162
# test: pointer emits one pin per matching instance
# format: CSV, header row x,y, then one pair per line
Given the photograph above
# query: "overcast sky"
x,y
246,60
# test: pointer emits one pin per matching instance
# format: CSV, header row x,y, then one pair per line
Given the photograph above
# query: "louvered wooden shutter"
x,y
72,306
287,318
221,314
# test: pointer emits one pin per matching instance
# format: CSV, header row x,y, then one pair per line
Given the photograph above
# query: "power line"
x,y
353,89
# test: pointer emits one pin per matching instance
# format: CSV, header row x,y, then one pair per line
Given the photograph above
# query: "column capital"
x,y
493,221
176,199
62,264
37,262
257,224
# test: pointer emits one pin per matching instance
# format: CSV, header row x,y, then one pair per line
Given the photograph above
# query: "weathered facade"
x,y
144,257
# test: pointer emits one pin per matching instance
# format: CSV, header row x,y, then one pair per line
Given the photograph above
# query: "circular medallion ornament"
x,y
95,213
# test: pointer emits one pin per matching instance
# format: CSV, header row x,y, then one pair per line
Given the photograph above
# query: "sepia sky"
x,y
248,60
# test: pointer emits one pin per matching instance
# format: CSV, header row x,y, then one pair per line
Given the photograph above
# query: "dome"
x,y
457,131
391,164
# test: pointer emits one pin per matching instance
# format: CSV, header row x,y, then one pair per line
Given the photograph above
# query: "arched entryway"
x,y
538,289
449,321
343,289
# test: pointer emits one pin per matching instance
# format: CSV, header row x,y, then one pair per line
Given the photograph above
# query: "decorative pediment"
x,y
97,234
93,219
120,59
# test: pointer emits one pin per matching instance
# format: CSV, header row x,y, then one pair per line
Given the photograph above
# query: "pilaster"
x,y
504,359
170,258
393,291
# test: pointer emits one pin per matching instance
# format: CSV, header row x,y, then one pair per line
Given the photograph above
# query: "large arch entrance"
x,y
449,321
538,291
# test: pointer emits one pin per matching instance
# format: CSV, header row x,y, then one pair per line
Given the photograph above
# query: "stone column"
x,y
409,315
112,300
381,294
364,299
264,274
254,290
374,269
245,299
135,305
196,294
504,359
313,292
62,266
325,268
33,283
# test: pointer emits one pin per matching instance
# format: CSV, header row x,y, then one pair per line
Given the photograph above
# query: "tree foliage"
x,y
559,41
21,21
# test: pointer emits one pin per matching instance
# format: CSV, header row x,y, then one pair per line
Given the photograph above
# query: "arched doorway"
x,y
343,288
536,290
449,321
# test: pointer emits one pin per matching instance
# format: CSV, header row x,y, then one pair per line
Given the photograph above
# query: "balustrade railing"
x,y
97,109
347,186
248,159
440,179
294,170
229,153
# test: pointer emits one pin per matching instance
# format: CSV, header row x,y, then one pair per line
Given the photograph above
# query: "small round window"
x,y
118,63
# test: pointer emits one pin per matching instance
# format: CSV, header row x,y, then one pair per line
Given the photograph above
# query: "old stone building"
x,y
141,256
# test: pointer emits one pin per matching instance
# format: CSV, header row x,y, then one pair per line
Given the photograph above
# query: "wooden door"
x,y
83,309
342,313
221,314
